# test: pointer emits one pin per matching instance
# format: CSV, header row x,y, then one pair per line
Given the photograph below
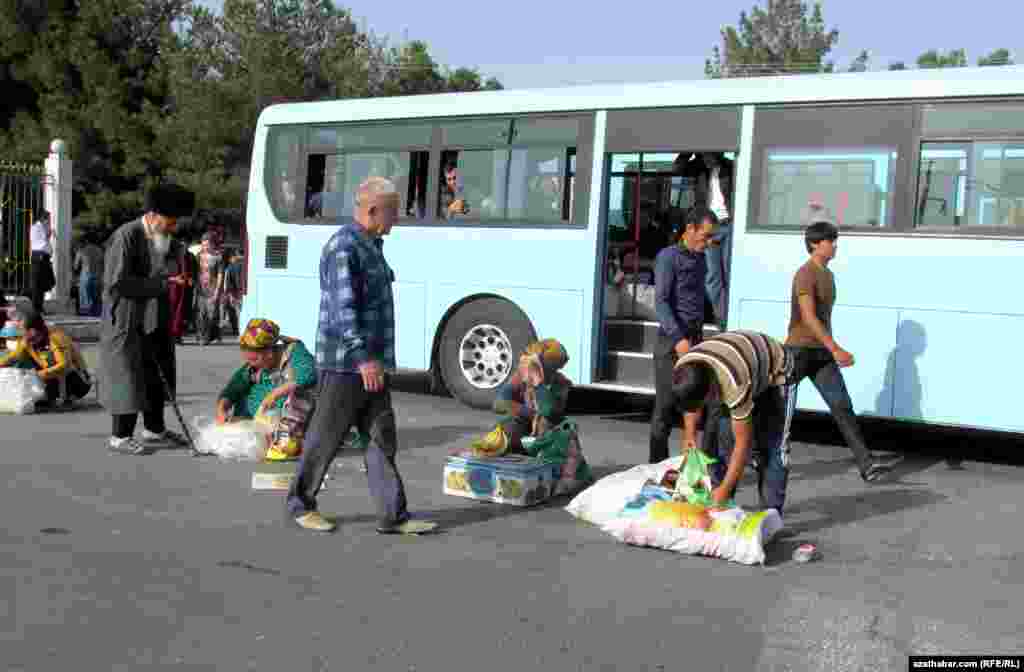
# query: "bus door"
x,y
678,159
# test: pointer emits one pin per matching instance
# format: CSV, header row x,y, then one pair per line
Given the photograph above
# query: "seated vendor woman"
x,y
278,377
533,404
534,398
51,354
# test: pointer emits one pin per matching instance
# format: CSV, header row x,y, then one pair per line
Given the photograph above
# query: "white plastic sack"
x,y
20,389
239,440
735,535
603,501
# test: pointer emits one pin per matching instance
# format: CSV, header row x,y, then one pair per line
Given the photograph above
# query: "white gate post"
x,y
57,199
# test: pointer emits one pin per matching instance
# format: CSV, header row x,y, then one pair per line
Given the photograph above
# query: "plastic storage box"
x,y
511,479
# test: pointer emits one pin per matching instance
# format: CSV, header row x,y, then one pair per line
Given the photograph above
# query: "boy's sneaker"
x,y
128,446
167,438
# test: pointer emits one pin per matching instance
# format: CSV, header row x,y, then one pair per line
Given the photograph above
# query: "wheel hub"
x,y
486,356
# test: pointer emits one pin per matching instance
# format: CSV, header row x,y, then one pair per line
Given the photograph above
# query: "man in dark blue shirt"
x,y
679,274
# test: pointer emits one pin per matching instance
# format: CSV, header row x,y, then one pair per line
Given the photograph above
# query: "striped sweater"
x,y
745,364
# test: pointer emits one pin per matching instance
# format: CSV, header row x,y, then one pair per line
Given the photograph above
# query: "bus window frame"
x,y
966,138
901,201
582,148
308,150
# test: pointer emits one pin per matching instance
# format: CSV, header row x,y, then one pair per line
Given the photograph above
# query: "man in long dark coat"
x,y
135,337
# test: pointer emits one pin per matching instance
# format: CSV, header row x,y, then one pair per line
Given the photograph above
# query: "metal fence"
x,y
21,200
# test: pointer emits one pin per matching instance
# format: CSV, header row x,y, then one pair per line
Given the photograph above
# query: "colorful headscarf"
x,y
549,354
260,334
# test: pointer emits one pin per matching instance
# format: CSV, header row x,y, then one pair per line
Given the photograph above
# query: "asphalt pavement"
x,y
111,562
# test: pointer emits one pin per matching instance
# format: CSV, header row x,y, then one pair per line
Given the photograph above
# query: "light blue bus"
x,y
923,170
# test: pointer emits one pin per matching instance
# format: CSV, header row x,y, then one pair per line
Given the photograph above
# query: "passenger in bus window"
x,y
815,352
453,198
679,275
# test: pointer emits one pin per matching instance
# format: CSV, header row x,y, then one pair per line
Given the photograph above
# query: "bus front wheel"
x,y
480,349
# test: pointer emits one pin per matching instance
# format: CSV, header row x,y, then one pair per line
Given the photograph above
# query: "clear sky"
x,y
537,43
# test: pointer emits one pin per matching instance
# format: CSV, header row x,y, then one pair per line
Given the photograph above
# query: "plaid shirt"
x,y
357,310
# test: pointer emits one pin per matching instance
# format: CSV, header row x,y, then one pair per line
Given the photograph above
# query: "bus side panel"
x,y
294,303
959,367
917,313
554,314
869,333
412,343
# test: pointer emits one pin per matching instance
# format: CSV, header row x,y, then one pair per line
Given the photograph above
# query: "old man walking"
x,y
135,337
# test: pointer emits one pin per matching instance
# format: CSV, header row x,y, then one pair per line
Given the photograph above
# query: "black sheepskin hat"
x,y
170,200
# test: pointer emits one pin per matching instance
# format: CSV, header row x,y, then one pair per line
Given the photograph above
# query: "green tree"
x,y
93,68
997,57
955,58
785,37
411,71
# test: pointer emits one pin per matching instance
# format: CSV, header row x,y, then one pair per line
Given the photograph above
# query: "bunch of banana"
x,y
494,444
456,480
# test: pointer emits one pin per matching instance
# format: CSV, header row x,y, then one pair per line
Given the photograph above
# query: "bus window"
x,y
473,184
979,184
285,153
515,171
333,179
853,187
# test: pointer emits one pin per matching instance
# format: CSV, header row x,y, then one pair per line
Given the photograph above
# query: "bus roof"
x,y
866,86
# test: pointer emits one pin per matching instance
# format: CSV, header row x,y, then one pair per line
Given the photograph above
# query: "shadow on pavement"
x,y
838,510
429,437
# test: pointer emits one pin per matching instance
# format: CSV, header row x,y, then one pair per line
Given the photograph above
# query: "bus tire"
x,y
492,333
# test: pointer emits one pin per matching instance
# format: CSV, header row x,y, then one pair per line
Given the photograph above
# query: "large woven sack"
x,y
632,509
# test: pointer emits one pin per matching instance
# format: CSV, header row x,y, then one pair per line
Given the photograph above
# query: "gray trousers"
x,y
342,403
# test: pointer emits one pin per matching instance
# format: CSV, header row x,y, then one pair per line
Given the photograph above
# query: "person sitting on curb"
x,y
278,374
533,405
52,354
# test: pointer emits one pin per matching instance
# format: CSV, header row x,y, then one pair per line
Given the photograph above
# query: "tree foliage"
x,y
955,58
149,90
784,37
997,57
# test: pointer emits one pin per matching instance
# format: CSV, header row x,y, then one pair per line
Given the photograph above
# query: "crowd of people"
x,y
729,393
741,386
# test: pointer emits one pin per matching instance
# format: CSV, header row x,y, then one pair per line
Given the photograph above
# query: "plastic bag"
x,y
561,444
237,440
20,389
694,482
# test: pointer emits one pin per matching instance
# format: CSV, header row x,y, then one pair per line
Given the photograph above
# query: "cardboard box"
x,y
510,479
